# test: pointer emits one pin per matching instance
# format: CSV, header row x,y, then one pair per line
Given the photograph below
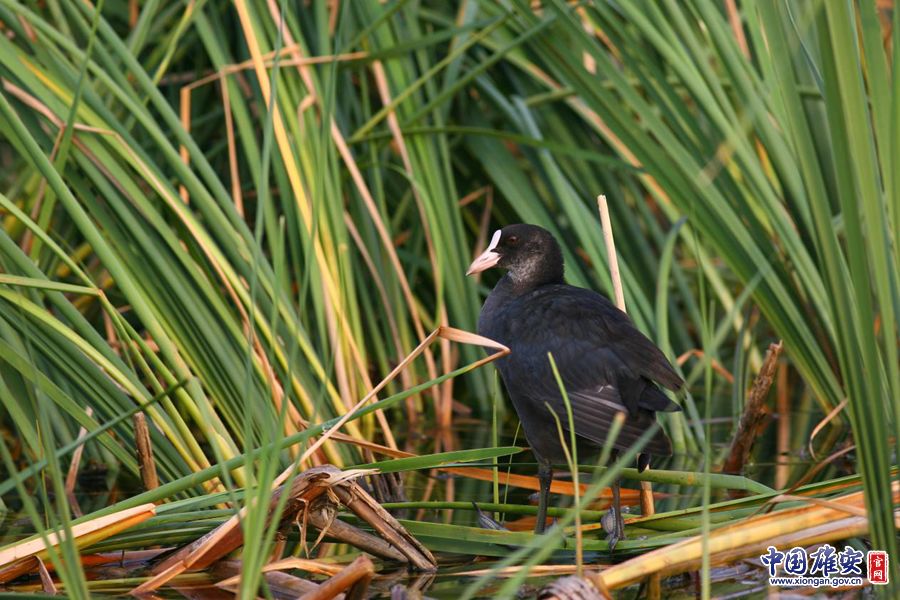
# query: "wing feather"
x,y
606,364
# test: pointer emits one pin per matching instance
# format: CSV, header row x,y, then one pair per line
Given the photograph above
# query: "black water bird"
x,y
606,364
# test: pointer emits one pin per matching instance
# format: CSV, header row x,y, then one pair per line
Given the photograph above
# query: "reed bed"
x,y
248,222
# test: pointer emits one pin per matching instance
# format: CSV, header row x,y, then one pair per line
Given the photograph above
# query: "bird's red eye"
x,y
512,240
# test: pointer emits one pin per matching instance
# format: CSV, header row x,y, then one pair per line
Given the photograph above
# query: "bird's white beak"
x,y
486,259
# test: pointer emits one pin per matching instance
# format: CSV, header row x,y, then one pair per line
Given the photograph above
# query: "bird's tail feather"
x,y
652,398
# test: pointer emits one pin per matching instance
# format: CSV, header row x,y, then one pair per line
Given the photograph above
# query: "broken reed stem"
x,y
348,534
46,579
755,413
145,452
611,252
354,579
654,587
72,475
647,506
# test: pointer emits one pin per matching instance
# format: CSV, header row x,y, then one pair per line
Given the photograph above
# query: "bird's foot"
x,y
614,526
485,521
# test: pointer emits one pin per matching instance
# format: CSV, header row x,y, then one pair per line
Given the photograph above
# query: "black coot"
x,y
607,365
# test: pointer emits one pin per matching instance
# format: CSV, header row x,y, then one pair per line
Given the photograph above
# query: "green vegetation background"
x,y
262,207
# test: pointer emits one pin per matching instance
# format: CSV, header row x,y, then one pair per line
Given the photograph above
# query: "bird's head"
x,y
528,252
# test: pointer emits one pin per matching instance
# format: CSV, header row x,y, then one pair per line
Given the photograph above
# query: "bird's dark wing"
x,y
564,319
534,389
593,417
606,365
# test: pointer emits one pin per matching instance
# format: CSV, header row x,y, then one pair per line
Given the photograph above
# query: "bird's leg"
x,y
612,521
617,507
485,521
545,476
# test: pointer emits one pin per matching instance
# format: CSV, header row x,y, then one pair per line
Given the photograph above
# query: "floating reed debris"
x,y
572,587
314,497
352,580
27,556
280,584
830,520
